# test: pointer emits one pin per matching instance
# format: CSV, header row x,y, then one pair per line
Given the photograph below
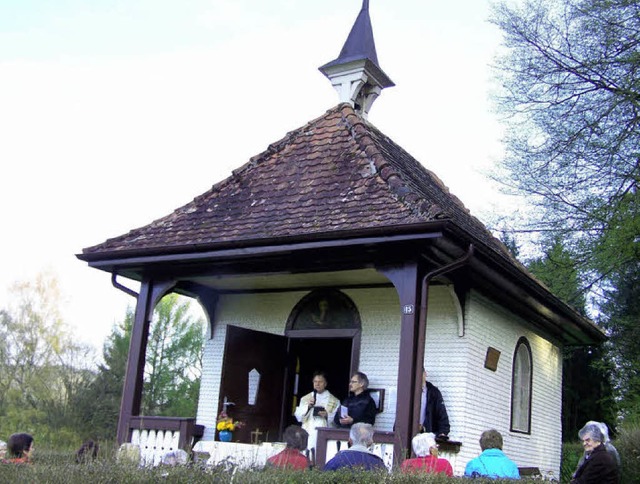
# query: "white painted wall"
x,y
486,401
380,315
476,398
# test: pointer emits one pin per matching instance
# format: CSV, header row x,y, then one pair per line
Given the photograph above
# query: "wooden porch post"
x,y
406,280
150,293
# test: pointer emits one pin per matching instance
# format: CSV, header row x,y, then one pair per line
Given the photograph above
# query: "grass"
x,y
59,466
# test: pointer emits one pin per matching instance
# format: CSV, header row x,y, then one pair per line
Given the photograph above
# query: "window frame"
x,y
516,384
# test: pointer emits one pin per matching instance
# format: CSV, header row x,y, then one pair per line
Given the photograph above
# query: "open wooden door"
x,y
253,372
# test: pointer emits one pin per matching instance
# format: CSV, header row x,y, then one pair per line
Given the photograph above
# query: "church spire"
x,y
355,74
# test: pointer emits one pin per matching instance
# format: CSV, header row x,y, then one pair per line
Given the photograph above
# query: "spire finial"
x,y
355,74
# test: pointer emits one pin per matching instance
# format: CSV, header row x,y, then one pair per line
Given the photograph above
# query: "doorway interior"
x,y
333,356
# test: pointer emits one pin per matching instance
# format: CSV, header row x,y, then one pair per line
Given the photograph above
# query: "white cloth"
x,y
304,414
423,405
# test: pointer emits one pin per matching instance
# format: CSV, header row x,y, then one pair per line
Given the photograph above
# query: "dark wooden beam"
x,y
406,279
150,293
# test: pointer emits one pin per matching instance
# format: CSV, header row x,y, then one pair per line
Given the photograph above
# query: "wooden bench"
x,y
529,472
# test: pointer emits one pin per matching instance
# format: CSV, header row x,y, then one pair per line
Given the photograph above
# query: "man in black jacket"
x,y
360,405
433,413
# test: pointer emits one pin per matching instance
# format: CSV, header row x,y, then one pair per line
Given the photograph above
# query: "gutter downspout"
x,y
123,288
437,272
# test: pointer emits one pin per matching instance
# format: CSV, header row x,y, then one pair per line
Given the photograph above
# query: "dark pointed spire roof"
x,y
356,74
360,44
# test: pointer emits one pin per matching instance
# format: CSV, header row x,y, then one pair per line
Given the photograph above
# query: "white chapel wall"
x,y
445,356
380,315
487,398
476,398
379,310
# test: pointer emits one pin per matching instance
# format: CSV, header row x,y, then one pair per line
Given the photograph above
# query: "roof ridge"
x,y
361,132
359,129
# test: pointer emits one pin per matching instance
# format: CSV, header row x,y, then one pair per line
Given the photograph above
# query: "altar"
x,y
234,454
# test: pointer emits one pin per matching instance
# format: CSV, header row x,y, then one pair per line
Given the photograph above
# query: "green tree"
x,y
42,368
99,405
172,371
571,91
173,360
622,319
557,269
587,388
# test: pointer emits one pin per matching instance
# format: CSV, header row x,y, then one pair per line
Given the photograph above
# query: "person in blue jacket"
x,y
358,455
492,462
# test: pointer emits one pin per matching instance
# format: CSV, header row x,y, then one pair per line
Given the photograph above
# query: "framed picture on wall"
x,y
378,396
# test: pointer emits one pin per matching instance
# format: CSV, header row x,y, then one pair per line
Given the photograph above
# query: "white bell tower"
x,y
355,74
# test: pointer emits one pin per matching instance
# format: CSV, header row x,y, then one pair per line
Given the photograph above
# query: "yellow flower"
x,y
226,424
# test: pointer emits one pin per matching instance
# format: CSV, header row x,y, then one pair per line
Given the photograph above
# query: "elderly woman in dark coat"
x,y
599,466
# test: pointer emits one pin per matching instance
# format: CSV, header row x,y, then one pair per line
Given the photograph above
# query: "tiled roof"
x,y
337,173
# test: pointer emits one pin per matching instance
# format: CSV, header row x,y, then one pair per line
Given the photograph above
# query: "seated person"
x,y
607,443
129,454
87,452
19,449
426,450
174,458
599,464
360,405
492,462
291,457
358,455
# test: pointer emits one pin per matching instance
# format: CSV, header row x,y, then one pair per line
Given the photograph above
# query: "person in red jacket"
x,y
425,448
291,457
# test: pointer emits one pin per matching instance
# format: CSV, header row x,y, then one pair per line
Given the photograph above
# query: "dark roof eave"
x,y
512,274
108,260
486,260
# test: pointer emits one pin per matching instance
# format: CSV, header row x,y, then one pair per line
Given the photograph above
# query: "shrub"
x,y
628,445
58,466
571,453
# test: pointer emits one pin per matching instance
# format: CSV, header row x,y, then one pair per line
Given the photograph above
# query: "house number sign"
x,y
407,309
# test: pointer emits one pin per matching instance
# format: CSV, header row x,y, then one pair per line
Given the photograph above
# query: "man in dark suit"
x,y
433,413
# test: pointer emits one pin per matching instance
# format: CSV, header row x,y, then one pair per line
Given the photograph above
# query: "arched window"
x,y
521,383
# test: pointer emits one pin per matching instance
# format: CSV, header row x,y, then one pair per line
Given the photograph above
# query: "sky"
x,y
114,113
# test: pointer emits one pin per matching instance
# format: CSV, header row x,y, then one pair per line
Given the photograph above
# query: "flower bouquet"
x,y
227,423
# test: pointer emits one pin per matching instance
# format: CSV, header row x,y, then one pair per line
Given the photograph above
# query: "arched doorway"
x,y
324,331
322,334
